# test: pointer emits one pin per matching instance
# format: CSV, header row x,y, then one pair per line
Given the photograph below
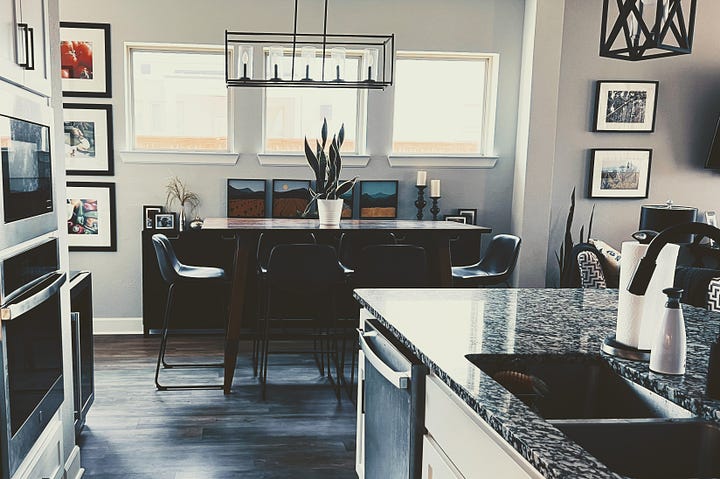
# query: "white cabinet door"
x,y
435,464
10,36
35,16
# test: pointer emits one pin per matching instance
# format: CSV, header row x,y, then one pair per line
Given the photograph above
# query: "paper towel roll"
x,y
630,306
654,305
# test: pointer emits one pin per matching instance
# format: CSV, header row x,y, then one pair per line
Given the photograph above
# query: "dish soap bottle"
x,y
669,349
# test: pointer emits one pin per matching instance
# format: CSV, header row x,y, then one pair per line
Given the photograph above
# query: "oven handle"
x,y
400,380
14,310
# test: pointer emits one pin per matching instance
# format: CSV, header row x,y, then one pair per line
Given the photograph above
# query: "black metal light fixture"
x,y
640,29
319,60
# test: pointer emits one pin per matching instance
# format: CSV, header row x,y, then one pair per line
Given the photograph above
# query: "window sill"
x,y
271,159
179,157
442,161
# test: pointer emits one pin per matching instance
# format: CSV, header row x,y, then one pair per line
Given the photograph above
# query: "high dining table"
x,y
435,236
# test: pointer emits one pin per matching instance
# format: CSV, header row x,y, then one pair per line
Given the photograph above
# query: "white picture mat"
x,y
98,83
607,87
99,118
641,158
104,237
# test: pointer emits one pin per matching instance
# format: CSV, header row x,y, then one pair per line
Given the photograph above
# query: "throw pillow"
x,y
610,255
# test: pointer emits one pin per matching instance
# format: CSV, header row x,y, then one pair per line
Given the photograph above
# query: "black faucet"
x,y
641,277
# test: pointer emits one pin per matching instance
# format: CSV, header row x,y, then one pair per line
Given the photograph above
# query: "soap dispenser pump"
x,y
669,349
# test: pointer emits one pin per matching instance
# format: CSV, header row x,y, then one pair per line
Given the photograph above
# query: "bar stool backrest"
x,y
304,267
269,239
392,266
353,242
167,260
501,255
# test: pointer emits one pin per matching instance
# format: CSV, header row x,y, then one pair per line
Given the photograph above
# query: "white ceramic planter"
x,y
330,212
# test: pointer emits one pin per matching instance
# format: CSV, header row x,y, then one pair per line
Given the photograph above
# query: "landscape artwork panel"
x,y
290,198
378,199
246,198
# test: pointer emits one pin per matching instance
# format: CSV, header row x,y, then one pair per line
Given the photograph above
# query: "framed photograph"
x,y
149,212
88,139
91,216
625,106
348,202
456,219
621,173
245,198
290,198
470,214
85,59
711,219
378,199
164,221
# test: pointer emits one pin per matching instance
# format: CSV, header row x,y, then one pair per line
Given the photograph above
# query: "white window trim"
x,y
488,157
289,159
134,155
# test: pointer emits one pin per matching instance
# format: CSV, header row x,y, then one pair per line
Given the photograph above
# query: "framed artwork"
x,y
348,202
88,139
164,221
470,215
149,212
711,219
620,173
85,59
290,198
245,198
456,219
91,216
378,199
625,106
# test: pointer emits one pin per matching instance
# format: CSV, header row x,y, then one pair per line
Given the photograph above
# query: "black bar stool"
x,y
495,267
175,273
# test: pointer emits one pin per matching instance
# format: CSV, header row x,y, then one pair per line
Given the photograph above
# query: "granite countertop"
x,y
441,326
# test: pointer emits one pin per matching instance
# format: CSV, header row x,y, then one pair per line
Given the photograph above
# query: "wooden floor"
x,y
134,431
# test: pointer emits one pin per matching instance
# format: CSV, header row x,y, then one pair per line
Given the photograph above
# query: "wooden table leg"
x,y
237,305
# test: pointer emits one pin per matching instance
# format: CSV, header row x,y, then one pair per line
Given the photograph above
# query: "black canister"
x,y
659,217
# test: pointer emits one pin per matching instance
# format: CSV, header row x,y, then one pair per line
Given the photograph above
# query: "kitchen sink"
x,y
574,387
652,449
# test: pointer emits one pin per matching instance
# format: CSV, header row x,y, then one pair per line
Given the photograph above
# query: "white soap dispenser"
x,y
669,349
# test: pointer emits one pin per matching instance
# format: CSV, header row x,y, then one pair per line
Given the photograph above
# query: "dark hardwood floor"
x,y
134,431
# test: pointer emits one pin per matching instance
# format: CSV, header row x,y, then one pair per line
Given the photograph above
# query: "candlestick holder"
x,y
435,210
420,201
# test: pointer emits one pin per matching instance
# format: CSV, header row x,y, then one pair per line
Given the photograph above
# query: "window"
x,y
293,113
444,104
178,99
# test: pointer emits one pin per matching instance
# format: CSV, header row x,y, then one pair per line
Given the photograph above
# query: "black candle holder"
x,y
420,201
435,210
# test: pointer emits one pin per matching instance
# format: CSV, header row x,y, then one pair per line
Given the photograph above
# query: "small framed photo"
x,y
91,216
625,106
290,198
149,212
164,221
620,173
85,59
378,199
88,139
456,219
470,215
245,198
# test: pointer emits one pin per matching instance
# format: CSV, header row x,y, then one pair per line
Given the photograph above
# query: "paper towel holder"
x,y
615,348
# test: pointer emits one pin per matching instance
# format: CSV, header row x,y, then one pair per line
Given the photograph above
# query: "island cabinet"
x,y
460,445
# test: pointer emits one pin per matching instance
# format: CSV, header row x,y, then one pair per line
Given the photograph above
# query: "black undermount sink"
x,y
574,387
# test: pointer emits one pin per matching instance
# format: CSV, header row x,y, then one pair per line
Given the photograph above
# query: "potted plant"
x,y
178,191
328,187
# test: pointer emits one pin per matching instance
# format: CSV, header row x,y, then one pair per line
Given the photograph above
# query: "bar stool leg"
x,y
163,340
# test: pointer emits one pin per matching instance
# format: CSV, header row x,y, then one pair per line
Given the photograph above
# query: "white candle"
x,y
421,178
434,188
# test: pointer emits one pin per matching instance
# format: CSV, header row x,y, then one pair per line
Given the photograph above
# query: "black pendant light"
x,y
640,29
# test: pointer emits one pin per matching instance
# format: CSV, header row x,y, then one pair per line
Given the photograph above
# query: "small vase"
x,y
181,219
330,212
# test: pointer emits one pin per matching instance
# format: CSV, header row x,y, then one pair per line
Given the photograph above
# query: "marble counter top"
x,y
441,326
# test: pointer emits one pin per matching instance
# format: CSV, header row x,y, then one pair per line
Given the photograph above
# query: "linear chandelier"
x,y
641,29
319,60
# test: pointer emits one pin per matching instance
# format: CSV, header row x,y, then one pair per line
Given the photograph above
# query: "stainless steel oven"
x,y
31,390
26,193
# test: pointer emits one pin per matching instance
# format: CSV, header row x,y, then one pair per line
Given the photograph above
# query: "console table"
x,y
434,236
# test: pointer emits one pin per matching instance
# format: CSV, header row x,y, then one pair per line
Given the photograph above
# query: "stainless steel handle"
x,y
400,380
26,50
15,310
31,50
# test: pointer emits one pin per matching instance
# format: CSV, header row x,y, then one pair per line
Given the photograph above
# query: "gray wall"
x,y
456,25
688,107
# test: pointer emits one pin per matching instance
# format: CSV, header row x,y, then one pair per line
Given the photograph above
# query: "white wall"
x,y
493,26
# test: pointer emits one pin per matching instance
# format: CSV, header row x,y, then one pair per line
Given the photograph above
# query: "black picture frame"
x,y
165,221
75,81
470,214
149,216
625,106
289,197
456,218
79,196
620,173
378,199
102,137
245,198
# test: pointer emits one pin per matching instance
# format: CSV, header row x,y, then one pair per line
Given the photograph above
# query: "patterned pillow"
x,y
714,295
610,255
591,271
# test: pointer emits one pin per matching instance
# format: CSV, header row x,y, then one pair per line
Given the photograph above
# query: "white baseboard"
x,y
117,326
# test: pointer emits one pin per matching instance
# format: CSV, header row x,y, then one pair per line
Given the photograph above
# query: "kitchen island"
x,y
440,327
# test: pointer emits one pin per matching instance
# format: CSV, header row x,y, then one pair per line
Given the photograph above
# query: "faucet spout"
x,y
646,267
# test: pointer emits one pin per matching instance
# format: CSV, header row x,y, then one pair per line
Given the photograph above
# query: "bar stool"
x,y
352,243
175,273
314,271
495,267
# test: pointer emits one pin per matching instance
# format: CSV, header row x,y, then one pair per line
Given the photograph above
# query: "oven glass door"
x,y
26,169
